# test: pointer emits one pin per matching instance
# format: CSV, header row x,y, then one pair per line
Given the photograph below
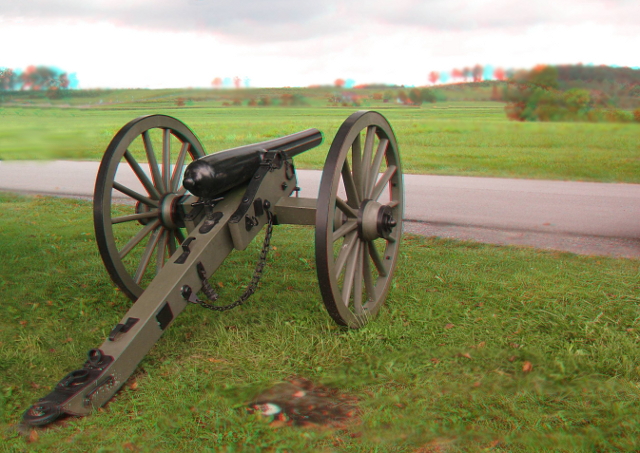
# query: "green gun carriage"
x,y
166,216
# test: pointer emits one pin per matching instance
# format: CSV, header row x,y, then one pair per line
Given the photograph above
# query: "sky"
x,y
275,43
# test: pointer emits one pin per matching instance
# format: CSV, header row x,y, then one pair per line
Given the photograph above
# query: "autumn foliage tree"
x,y
35,78
434,76
536,96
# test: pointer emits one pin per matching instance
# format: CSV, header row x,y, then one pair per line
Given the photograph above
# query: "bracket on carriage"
x,y
181,223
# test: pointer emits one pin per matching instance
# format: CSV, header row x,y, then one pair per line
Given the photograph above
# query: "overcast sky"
x,y
187,43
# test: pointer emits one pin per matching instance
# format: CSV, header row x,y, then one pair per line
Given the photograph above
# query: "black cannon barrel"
x,y
216,173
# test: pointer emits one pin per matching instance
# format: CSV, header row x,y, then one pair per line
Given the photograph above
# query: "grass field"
x,y
479,348
455,138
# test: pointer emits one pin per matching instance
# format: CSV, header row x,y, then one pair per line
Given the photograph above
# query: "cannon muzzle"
x,y
219,172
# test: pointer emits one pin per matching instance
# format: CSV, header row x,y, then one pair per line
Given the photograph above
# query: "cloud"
x,y
298,20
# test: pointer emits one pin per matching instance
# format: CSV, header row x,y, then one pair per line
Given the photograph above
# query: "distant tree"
x,y
415,96
237,82
264,101
636,115
217,82
8,79
499,74
457,74
543,76
428,95
339,83
286,99
466,73
434,76
476,73
402,96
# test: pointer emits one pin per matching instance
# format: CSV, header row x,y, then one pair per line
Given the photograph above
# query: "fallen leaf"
x,y
33,436
512,358
449,326
23,323
514,345
527,367
466,354
476,384
133,385
34,385
68,340
481,345
213,360
434,360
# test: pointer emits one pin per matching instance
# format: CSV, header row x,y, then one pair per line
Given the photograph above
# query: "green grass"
x,y
450,139
441,368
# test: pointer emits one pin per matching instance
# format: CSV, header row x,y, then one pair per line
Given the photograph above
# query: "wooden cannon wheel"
x,y
126,214
359,219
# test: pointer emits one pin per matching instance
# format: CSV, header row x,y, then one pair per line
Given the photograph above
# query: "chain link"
x,y
211,293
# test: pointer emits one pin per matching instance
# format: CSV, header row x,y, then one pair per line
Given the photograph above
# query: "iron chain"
x,y
211,293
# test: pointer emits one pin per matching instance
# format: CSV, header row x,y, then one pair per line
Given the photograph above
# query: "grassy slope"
x,y
453,138
440,368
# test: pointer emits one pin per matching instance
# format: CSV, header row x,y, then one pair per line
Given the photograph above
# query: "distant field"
x,y
454,138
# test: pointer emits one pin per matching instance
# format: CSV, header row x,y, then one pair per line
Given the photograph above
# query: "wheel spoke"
x,y
162,246
368,281
366,159
347,246
350,273
146,256
177,170
350,186
375,256
356,161
172,243
345,229
382,183
135,195
140,216
375,167
166,158
357,282
137,238
179,235
144,179
344,207
153,163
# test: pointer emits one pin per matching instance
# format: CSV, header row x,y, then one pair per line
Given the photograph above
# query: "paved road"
x,y
581,217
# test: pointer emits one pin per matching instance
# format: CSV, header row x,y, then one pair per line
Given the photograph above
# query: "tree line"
x,y
37,78
573,93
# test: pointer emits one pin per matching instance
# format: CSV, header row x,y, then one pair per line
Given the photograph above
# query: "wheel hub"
x,y
375,221
168,210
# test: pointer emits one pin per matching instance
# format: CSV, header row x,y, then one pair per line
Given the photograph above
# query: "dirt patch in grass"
x,y
300,402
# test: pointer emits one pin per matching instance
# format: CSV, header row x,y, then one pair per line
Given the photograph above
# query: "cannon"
x,y
166,215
